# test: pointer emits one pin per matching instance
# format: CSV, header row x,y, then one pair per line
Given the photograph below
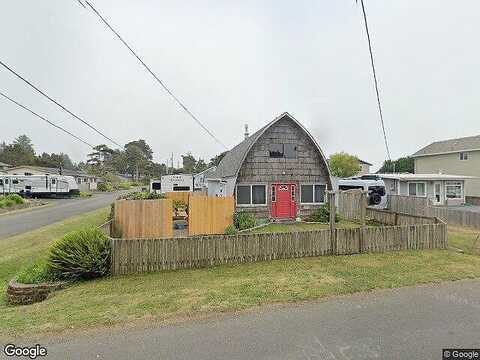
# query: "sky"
x,y
242,62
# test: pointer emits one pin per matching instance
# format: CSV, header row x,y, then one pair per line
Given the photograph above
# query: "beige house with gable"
x,y
455,156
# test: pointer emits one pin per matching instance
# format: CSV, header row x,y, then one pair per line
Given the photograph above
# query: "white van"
x,y
377,195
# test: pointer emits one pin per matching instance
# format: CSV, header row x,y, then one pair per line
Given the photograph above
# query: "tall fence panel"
x,y
351,204
146,255
209,215
135,219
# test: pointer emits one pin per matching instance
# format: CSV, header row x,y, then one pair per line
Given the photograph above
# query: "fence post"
x,y
363,220
333,212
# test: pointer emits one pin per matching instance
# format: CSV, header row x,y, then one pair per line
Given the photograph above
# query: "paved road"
x,y
61,209
408,323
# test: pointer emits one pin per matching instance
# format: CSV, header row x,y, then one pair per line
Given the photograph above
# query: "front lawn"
x,y
178,294
303,227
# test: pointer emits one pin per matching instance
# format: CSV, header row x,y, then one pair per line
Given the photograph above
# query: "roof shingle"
x,y
451,145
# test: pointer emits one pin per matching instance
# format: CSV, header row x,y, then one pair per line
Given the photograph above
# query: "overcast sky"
x,y
237,62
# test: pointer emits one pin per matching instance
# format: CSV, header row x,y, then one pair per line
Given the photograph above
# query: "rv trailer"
x,y
38,185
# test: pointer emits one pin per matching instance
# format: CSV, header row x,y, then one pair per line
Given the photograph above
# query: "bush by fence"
x,y
132,256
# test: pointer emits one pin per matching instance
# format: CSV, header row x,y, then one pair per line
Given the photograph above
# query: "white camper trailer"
x,y
38,185
172,183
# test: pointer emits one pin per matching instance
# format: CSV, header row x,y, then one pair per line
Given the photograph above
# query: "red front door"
x,y
283,201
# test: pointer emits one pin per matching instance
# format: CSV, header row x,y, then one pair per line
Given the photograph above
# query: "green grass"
x,y
302,227
178,294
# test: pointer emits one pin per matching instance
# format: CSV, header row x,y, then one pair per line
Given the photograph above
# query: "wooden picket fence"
x,y
351,204
421,206
148,255
209,214
143,218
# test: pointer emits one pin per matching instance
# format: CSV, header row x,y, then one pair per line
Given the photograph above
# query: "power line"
x,y
375,79
177,100
44,119
58,104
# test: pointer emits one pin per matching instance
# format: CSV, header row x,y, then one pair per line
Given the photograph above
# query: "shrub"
x,y
105,186
36,273
84,194
179,204
17,199
6,203
244,220
322,215
230,230
124,185
82,254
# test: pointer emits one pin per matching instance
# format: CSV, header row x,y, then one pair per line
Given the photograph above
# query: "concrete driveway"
x,y
59,210
407,323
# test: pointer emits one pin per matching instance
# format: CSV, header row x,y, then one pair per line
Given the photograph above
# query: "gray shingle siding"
x,y
250,161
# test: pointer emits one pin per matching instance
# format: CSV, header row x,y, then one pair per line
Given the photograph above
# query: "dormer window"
x,y
463,156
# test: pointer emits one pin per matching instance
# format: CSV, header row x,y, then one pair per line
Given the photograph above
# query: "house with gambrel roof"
x,y
279,171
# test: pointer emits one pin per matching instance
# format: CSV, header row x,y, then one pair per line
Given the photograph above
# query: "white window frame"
x,y
313,189
463,156
416,188
251,195
455,183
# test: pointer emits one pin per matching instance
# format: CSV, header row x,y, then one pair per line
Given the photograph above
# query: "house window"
x,y
416,189
288,151
251,195
259,196
15,181
276,150
274,194
53,181
1,182
312,193
453,189
27,174
244,195
463,156
293,192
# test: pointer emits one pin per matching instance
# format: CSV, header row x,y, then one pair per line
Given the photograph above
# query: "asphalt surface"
x,y
60,209
407,323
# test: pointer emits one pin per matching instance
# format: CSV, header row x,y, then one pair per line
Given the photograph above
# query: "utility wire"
x,y
177,100
44,119
375,79
58,104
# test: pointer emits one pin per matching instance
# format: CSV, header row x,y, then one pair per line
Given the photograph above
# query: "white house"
x,y
440,189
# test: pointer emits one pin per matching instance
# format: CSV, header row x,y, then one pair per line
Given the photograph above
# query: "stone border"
x,y
24,294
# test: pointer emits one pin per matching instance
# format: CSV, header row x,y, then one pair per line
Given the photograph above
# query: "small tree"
x,y
344,165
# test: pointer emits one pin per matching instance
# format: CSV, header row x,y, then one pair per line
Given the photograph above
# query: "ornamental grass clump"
x,y
80,255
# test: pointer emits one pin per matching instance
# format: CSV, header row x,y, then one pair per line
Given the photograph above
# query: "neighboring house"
x,y
4,167
364,167
456,156
85,182
278,172
440,189
200,179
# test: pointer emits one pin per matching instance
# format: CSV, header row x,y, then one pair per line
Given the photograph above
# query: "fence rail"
x,y
147,255
421,206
